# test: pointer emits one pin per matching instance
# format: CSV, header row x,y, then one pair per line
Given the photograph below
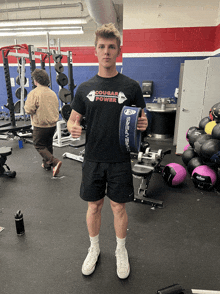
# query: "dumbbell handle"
x,y
149,155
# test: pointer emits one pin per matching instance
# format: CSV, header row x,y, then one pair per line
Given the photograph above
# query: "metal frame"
x,y
60,141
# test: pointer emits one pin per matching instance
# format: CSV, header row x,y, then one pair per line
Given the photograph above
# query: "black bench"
x,y
4,152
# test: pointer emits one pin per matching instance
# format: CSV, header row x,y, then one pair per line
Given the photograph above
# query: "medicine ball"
x,y
204,177
193,163
211,150
188,155
215,112
199,142
216,132
203,122
174,174
209,127
186,147
189,131
194,136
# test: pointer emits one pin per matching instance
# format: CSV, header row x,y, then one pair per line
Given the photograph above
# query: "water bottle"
x,y
19,222
20,144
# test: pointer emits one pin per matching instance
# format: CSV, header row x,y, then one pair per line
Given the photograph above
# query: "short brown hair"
x,y
108,31
41,77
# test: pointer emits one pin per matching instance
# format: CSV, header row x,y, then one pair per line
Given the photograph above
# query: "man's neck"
x,y
107,73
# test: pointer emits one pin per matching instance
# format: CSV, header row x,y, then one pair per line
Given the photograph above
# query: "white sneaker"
x,y
89,263
123,267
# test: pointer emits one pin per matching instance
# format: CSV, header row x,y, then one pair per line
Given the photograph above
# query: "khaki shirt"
x,y
43,106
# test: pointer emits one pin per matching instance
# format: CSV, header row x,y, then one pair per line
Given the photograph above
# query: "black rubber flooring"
x,y
179,243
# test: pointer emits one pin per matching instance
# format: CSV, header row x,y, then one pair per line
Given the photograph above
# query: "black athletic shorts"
x,y
112,179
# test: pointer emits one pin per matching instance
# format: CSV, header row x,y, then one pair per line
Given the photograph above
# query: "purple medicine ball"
x,y
174,174
204,177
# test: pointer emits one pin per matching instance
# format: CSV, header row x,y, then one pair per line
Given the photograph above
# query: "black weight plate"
x,y
18,93
64,95
19,70
18,80
17,106
20,61
59,67
66,111
57,57
62,79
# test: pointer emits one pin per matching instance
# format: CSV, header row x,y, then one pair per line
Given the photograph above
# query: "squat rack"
x,y
6,51
31,55
10,104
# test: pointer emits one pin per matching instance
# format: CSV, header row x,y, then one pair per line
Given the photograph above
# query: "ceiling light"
x,y
40,28
41,33
39,22
66,32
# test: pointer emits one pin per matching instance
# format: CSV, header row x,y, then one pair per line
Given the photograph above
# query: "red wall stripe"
x,y
193,39
217,37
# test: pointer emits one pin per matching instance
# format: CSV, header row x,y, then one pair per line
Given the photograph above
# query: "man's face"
x,y
107,51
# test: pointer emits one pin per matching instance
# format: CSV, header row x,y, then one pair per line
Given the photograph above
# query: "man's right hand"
x,y
75,129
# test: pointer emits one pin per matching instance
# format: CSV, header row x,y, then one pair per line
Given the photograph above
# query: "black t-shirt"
x,y
101,100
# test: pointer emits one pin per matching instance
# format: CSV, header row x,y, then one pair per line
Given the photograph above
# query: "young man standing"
x,y
105,165
43,106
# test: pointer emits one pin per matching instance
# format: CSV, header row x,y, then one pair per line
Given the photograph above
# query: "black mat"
x,y
176,244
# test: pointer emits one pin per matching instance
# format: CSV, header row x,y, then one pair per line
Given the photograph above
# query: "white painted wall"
x,y
143,14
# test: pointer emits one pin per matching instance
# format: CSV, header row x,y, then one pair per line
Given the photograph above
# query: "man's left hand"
x,y
142,122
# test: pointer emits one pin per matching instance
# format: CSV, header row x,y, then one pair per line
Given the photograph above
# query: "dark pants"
x,y
43,142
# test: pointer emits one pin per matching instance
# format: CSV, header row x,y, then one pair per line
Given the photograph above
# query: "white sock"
x,y
94,241
120,243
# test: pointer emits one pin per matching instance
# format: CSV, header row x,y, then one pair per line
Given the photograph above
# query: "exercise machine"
x,y
148,162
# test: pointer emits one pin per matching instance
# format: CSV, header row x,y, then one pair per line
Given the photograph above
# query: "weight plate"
x,y
18,93
19,69
17,106
20,61
140,154
18,80
59,67
62,79
65,111
64,95
57,57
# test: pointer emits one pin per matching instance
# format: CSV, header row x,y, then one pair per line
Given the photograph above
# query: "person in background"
x,y
106,168
43,106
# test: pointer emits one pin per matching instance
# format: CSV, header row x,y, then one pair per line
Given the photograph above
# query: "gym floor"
x,y
179,243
